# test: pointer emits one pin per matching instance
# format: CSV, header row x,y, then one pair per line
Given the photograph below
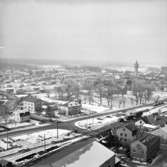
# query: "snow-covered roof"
x,y
91,154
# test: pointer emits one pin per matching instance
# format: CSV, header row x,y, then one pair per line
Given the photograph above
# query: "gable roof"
x,y
30,98
160,132
131,127
86,153
148,139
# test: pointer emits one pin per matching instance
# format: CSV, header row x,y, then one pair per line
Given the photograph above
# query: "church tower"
x,y
136,67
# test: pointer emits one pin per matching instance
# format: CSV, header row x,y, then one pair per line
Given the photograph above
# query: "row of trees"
x,y
106,89
142,90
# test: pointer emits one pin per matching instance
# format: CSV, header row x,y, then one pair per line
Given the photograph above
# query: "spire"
x,y
136,67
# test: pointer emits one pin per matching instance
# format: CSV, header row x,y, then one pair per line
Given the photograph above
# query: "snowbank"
x,y
95,123
34,137
94,108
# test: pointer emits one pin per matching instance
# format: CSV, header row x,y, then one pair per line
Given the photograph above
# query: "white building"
x,y
21,116
28,106
126,134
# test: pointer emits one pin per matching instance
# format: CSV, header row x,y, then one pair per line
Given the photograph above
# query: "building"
x,y
162,133
155,119
164,70
74,107
5,163
70,108
30,104
21,116
136,67
145,148
126,134
88,153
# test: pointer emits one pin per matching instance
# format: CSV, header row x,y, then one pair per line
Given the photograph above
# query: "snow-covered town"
x,y
83,83
51,110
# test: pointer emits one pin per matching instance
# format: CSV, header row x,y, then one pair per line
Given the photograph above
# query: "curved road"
x,y
69,124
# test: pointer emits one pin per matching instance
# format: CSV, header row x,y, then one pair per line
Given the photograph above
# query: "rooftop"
x,y
87,153
131,127
161,131
147,139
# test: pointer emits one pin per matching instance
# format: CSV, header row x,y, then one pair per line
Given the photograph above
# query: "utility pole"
x,y
44,142
7,138
57,128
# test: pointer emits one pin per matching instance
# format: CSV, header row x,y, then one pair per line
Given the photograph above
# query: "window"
x,y
121,134
125,135
125,140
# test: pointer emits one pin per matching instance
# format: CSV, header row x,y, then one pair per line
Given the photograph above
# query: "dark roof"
x,y
30,99
148,139
131,127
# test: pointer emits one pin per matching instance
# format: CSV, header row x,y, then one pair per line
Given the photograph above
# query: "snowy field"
x,y
94,108
51,133
35,139
96,123
160,94
49,100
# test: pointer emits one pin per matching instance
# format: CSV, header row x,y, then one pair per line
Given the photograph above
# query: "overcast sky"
x,y
102,31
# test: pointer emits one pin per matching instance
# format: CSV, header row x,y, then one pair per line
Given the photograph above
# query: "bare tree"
x,y
142,91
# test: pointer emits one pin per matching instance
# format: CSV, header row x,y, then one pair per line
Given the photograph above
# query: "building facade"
x,y
162,133
21,116
145,148
29,106
71,108
126,134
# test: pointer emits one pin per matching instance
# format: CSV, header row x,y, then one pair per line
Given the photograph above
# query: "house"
x,y
21,116
30,104
145,148
88,153
70,108
5,163
162,133
74,107
126,134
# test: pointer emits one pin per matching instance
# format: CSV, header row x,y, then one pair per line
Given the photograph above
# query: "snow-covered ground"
x,y
155,110
139,109
19,125
49,100
51,133
160,94
95,123
37,139
163,110
94,108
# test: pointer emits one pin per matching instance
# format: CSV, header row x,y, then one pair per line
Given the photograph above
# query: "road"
x,y
69,124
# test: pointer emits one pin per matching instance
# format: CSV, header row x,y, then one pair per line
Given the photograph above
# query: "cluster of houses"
x,y
29,105
141,143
